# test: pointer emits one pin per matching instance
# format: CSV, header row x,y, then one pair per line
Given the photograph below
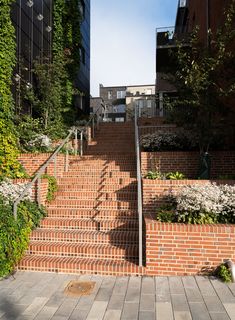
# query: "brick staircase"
x,y
92,224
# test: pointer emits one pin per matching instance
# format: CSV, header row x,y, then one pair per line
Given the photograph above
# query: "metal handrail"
x,y
139,184
42,170
37,177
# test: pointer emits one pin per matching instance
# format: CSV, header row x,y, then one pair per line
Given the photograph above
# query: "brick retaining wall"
x,y
222,162
32,162
177,249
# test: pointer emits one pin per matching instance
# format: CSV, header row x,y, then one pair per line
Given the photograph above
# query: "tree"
x,y
205,81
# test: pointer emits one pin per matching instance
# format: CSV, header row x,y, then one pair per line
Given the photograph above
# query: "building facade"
x,y
203,14
83,79
144,97
115,102
33,22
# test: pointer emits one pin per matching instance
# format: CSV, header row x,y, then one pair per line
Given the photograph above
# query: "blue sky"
x,y
123,40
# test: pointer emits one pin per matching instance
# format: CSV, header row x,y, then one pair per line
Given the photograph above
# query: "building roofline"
x,y
134,85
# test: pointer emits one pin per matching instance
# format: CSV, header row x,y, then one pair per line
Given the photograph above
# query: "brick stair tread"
x,y
87,214
83,195
79,265
93,204
101,251
83,236
94,188
97,181
89,224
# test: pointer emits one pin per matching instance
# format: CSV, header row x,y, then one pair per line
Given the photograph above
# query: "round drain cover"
x,y
79,288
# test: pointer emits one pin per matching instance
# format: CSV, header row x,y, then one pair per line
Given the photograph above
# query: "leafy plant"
x,y
166,213
224,273
14,234
157,175
175,176
52,186
153,175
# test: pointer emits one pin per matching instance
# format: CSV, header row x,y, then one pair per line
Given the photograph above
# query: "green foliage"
x,y
204,78
9,166
166,213
52,186
14,234
175,176
224,273
156,175
153,175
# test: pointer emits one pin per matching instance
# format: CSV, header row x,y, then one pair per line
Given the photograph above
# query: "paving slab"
x,y
40,296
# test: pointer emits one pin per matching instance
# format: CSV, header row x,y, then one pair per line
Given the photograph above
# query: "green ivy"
x,y
14,234
9,165
52,186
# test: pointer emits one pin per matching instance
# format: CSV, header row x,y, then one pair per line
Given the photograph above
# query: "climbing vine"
x,y
9,166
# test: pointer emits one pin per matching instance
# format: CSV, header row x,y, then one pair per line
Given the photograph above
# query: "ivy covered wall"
x,y
9,165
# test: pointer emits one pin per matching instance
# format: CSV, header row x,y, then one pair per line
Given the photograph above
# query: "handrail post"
x,y
81,143
139,183
15,206
76,142
55,166
39,190
67,159
93,128
97,117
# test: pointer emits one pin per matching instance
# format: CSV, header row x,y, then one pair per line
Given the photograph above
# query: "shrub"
x,y
224,273
168,141
52,186
199,204
14,234
12,191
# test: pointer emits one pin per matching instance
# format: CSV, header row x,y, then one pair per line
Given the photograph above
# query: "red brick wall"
x,y
222,162
177,249
43,188
32,162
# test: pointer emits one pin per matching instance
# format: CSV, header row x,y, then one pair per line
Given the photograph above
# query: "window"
x,y
110,94
81,6
182,3
121,94
82,55
149,104
119,119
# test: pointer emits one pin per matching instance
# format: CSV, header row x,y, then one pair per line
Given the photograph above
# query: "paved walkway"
x,y
40,296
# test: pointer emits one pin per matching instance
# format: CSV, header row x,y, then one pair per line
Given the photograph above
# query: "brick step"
x,y
89,214
105,152
99,195
85,250
79,266
93,204
89,224
104,158
95,187
104,167
83,236
97,181
97,174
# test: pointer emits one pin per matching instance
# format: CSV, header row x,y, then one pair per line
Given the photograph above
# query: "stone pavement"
x,y
40,296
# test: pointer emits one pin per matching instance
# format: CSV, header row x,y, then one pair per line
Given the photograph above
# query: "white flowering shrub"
x,y
40,141
209,203
11,191
200,204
